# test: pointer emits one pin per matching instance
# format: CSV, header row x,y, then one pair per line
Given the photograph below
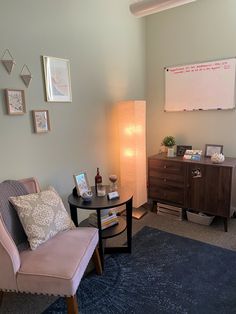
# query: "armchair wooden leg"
x,y
1,297
72,305
97,261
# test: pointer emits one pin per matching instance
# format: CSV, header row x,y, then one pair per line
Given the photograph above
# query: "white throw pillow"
x,y
42,215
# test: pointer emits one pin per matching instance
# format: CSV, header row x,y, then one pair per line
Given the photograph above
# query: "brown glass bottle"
x,y
98,179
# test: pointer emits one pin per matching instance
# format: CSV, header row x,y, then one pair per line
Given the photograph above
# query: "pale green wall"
x,y
200,31
105,46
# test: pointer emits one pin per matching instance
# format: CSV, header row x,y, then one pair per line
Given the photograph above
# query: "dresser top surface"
x,y
229,162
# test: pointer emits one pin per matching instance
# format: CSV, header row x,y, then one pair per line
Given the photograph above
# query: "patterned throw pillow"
x,y
42,215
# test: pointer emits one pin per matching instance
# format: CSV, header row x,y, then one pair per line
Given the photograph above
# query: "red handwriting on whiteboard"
x,y
201,67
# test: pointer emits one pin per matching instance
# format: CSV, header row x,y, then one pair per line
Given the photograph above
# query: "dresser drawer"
x,y
166,166
166,179
167,194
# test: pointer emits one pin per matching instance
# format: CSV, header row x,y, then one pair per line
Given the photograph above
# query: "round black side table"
x,y
102,202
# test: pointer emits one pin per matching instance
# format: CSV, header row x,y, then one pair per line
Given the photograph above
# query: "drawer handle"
x,y
165,166
164,180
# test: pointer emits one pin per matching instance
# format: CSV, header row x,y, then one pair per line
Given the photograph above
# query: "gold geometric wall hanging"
x,y
25,75
8,61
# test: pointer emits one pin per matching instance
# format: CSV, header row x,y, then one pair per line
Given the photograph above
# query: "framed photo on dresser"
x,y
213,148
181,149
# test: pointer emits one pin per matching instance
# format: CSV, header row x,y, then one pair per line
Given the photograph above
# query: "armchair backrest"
x,y
31,185
9,254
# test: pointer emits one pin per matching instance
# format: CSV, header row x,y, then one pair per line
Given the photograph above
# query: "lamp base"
x,y
138,213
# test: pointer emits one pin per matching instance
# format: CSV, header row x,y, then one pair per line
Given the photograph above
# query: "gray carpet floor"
x,y
214,234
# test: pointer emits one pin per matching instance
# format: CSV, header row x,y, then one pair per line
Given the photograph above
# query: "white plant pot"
x,y
170,152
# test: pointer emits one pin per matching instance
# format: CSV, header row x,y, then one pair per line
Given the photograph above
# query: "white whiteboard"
x,y
200,86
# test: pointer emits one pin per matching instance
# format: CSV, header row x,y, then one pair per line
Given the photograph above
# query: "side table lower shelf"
x,y
110,232
100,203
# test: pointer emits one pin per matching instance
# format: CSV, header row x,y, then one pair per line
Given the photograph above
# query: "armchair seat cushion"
x,y
57,266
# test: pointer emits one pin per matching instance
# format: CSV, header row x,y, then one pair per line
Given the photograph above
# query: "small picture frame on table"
x,y
213,148
15,100
81,183
181,149
41,121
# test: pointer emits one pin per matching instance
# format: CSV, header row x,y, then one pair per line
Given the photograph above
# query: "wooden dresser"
x,y
199,185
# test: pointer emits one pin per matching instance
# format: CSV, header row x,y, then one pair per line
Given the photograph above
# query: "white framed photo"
x,y
81,183
57,79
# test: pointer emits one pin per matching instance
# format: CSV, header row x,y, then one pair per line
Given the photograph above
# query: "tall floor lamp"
x,y
132,140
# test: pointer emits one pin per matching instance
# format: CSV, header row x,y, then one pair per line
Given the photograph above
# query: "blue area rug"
x,y
164,274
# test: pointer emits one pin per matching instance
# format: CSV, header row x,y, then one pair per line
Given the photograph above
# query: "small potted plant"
x,y
169,142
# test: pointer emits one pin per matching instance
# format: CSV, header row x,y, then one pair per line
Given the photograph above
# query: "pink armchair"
x,y
55,267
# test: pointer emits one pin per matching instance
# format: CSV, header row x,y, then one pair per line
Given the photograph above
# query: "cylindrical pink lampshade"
x,y
132,140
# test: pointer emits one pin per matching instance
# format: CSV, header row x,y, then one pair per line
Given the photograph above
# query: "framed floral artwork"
x,y
15,100
41,121
57,79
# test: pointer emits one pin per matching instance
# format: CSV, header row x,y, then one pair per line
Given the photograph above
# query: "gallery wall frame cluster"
x,y
57,83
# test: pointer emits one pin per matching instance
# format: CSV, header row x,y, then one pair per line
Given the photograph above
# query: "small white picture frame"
x,y
81,183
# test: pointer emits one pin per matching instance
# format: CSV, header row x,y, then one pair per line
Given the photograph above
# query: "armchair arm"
x,y
9,260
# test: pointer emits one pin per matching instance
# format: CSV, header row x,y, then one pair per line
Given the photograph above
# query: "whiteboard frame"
x,y
200,62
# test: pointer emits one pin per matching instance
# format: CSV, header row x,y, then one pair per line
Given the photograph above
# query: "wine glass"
x,y
113,180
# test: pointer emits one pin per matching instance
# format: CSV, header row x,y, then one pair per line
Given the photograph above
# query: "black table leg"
x,y
154,206
226,220
101,251
129,208
74,216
